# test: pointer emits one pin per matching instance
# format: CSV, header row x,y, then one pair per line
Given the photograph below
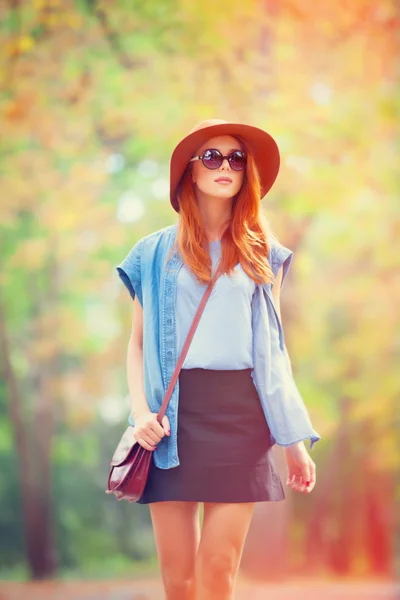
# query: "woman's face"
x,y
205,179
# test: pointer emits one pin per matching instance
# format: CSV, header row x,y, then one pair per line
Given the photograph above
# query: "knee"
x,y
218,571
179,588
177,583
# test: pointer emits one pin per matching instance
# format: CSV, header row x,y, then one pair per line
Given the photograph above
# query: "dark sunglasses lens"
x,y
212,159
237,161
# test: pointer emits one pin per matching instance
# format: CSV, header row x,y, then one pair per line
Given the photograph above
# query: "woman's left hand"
x,y
301,468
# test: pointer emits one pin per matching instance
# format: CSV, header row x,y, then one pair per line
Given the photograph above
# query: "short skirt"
x,y
223,442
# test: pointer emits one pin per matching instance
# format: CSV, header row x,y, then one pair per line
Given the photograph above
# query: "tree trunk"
x,y
379,515
34,482
380,527
324,545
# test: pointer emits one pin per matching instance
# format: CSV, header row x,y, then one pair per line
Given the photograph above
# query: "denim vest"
x,y
145,274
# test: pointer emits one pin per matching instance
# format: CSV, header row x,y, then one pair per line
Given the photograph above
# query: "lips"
x,y
224,179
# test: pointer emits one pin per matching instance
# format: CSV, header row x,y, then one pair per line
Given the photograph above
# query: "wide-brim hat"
x,y
262,145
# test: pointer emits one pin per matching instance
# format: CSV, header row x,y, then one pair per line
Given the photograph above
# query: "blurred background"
x,y
94,95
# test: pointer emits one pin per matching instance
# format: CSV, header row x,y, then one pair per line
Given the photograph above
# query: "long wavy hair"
x,y
245,233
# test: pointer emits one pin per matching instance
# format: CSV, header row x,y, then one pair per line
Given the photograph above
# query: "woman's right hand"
x,y
147,430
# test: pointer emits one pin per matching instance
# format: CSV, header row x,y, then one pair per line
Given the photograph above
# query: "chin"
x,y
224,196
225,193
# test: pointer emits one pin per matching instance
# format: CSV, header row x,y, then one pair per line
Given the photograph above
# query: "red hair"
x,y
244,239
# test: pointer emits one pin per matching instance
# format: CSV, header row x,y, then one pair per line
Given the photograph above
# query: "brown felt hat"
x,y
261,143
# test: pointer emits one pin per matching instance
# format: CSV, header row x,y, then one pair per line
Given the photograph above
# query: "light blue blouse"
x,y
147,274
223,338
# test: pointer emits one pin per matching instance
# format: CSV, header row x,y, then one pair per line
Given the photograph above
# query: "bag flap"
x,y
124,447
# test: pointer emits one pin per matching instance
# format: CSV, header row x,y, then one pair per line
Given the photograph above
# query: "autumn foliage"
x,y
93,97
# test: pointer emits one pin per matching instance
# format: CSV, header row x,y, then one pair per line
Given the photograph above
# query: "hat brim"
x,y
262,145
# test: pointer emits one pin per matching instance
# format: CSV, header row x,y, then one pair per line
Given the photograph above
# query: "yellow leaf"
x,y
25,43
74,21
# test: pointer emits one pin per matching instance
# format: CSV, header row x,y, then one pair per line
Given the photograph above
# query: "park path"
x,y
152,590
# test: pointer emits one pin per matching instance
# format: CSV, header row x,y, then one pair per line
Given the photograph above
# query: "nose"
x,y
227,163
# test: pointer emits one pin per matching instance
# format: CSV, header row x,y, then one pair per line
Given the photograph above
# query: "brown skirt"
x,y
223,443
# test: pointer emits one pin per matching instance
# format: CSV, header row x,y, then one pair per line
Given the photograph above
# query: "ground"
x,y
152,590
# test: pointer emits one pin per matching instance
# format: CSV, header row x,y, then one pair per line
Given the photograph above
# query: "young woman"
x,y
235,396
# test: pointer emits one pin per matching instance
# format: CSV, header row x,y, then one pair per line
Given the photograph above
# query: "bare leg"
x,y
223,534
177,534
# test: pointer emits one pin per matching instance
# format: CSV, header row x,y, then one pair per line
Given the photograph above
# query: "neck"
x,y
215,214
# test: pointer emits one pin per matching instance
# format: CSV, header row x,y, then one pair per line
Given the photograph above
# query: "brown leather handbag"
x,y
130,463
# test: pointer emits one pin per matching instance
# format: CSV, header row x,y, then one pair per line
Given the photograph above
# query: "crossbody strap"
x,y
186,345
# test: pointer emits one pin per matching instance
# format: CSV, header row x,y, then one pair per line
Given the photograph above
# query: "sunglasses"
x,y
213,159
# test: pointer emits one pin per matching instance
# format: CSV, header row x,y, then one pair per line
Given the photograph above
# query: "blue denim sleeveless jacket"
x,y
144,273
